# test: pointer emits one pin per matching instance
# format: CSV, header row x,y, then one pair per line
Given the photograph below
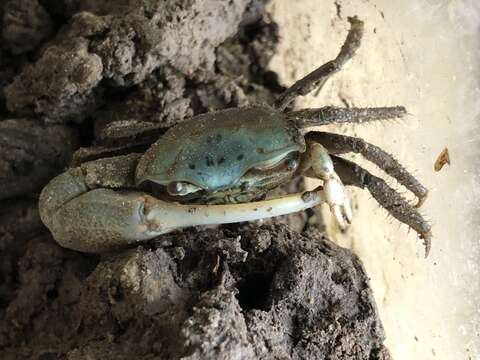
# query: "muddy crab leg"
x,y
333,115
340,144
388,198
318,77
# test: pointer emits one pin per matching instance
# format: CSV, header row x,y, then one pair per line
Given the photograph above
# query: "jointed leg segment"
x,y
318,77
340,144
333,115
388,198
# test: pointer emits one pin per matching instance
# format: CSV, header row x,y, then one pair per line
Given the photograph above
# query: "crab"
x,y
218,167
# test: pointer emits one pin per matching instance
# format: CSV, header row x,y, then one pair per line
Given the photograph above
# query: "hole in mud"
x,y
253,291
87,132
118,294
52,294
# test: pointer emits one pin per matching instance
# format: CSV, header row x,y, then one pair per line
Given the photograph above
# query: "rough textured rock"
x,y
121,47
31,153
19,223
26,24
292,297
9,67
60,83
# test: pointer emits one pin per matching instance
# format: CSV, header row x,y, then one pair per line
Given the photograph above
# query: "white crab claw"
x,y
336,197
337,212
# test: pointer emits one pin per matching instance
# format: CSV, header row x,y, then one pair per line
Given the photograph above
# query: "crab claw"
x,y
103,220
337,198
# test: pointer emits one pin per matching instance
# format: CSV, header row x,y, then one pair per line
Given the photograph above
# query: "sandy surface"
x,y
422,55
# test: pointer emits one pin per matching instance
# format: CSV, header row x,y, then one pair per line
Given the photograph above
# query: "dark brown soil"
x,y
74,74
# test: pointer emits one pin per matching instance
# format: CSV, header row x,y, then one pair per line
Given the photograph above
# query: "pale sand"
x,y
424,55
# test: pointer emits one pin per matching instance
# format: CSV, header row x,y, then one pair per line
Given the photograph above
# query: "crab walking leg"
x,y
318,77
388,198
340,144
334,115
335,194
103,220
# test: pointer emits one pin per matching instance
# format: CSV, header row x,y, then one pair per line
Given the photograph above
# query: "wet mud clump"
x,y
81,80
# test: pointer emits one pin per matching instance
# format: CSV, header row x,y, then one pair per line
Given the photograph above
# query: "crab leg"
x,y
334,115
388,198
318,77
340,144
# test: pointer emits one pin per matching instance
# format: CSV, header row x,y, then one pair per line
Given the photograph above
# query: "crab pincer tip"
x,y
427,242
355,21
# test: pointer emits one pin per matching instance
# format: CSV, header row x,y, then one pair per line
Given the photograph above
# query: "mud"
x,y
102,78
259,293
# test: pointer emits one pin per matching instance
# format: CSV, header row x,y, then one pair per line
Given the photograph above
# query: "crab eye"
x,y
292,164
175,188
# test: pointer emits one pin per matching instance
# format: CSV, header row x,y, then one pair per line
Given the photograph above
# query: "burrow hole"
x,y
254,290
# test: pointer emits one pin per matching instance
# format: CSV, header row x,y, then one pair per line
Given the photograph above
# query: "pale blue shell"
x,y
214,150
